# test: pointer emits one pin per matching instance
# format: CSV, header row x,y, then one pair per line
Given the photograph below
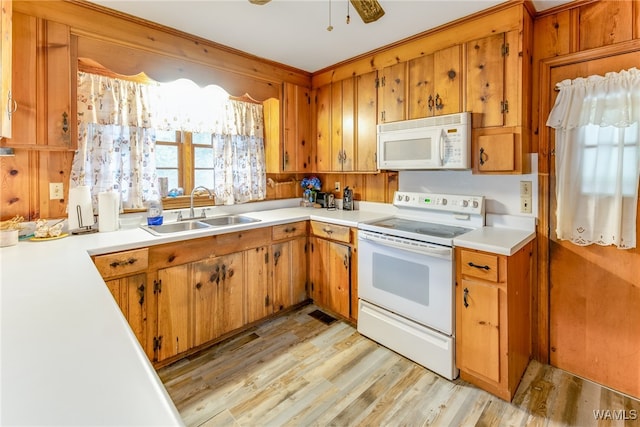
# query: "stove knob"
x,y
399,197
475,204
406,198
465,203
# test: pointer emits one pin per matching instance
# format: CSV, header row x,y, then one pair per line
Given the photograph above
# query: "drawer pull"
x,y
289,230
327,230
466,293
483,267
123,263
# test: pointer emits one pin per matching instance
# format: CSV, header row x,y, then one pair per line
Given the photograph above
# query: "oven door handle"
x,y
424,249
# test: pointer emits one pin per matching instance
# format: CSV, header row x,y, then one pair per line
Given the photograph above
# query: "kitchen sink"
x,y
218,221
175,227
197,224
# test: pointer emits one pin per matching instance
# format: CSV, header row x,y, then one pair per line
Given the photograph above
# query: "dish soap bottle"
x,y
154,213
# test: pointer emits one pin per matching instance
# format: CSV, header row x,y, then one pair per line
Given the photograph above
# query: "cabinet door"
x,y
329,269
259,294
41,83
24,79
421,87
230,299
289,276
447,69
392,90
323,129
6,104
174,311
204,281
366,131
478,329
485,80
347,156
297,126
56,47
130,294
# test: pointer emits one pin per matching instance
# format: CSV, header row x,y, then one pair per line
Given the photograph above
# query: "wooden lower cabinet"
x,y
180,296
330,275
130,294
218,296
493,318
173,299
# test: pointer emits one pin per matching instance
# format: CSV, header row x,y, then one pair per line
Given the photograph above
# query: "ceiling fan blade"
x,y
259,2
369,10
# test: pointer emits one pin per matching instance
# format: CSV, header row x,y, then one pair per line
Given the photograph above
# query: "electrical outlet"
x,y
336,186
56,191
525,204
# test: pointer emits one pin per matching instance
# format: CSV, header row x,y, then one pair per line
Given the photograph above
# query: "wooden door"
x,y
420,87
57,48
174,311
447,80
24,82
230,298
347,162
338,278
318,265
204,282
478,308
594,321
282,268
297,110
485,80
323,129
259,287
130,294
298,269
366,131
392,90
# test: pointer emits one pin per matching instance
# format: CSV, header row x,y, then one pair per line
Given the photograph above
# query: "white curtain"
x,y
116,139
239,159
598,158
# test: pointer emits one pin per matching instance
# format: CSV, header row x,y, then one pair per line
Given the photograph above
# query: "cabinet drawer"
x,y
287,231
340,233
122,263
480,265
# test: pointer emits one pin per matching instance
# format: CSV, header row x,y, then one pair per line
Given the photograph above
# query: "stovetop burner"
x,y
421,227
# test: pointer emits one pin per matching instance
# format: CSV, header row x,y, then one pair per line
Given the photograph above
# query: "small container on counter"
x,y
154,213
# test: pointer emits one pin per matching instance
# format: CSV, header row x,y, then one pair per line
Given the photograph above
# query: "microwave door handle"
x,y
442,137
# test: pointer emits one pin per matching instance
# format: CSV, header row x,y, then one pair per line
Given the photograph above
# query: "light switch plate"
x,y
56,191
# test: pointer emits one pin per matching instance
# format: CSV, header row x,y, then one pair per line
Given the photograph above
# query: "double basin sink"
x,y
198,224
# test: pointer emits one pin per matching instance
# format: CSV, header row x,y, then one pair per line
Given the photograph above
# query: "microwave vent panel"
x,y
446,120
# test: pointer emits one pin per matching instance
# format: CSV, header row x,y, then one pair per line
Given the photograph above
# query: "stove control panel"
x,y
440,202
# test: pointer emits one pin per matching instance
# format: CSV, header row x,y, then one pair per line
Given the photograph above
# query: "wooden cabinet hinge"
x,y
266,301
157,343
504,106
157,286
377,82
505,49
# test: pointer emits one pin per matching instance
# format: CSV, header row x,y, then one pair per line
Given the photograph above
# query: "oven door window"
x,y
413,285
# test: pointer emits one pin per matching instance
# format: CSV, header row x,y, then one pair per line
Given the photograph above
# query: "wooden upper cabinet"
x,y
6,102
486,80
42,84
297,129
346,125
435,83
392,92
366,130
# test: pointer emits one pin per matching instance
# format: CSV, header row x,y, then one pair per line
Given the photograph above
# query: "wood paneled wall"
x,y
574,29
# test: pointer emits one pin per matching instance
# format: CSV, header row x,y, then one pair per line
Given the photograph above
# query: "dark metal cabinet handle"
x,y
464,298
482,156
438,102
276,257
430,103
141,293
123,263
65,122
483,267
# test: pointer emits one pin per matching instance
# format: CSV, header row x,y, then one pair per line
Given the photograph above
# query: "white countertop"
x,y
67,354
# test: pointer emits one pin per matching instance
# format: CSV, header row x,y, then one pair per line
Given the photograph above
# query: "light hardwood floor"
x,y
296,370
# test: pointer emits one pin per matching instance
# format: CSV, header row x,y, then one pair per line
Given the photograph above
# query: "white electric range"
x,y
406,280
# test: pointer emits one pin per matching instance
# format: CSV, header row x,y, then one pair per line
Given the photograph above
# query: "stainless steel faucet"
x,y
191,213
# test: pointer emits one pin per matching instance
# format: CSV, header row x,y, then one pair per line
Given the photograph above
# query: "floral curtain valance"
x,y
609,100
109,101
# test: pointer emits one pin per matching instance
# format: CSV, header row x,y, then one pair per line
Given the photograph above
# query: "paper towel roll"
x,y
108,210
80,211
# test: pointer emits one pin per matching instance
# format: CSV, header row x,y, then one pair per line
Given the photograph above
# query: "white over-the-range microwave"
x,y
441,142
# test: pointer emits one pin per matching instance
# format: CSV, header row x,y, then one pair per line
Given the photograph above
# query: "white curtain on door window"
x,y
598,158
116,139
